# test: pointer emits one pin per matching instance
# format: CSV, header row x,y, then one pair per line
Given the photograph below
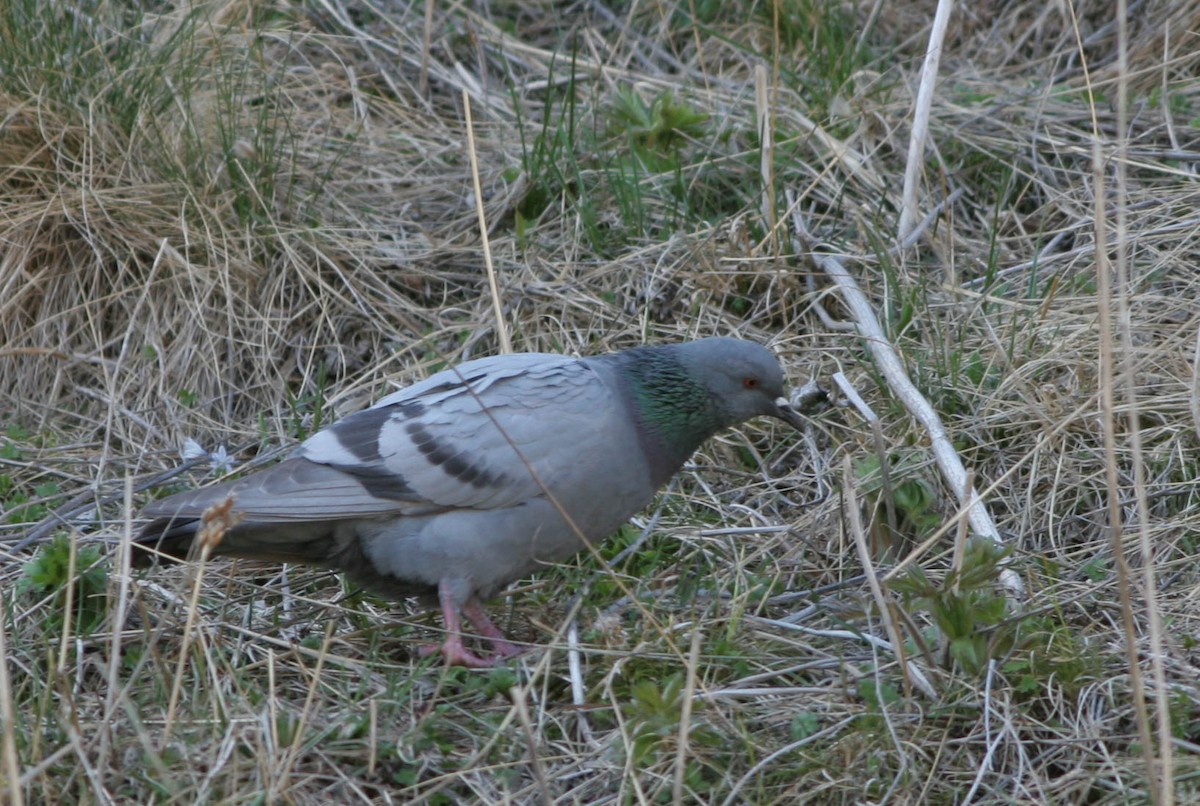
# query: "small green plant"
x,y
653,715
829,41
308,408
878,694
805,724
10,447
550,156
1048,650
49,575
18,506
967,605
913,499
657,127
627,154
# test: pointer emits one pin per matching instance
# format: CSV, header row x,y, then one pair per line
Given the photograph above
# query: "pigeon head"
x,y
685,393
742,380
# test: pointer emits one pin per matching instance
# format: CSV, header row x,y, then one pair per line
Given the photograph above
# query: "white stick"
x,y
898,381
909,214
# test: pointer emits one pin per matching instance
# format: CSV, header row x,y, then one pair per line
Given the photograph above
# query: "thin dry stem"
x,y
883,602
493,285
910,212
1163,784
8,747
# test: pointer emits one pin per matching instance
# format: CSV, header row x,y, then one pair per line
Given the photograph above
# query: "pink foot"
x,y
474,611
455,654
452,649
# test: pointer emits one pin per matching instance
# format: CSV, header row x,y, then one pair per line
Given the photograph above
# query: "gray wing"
x,y
459,440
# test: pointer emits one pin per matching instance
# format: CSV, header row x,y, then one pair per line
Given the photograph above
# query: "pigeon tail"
x,y
175,538
164,537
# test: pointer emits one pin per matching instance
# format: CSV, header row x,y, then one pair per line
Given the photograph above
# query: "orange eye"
x,y
750,383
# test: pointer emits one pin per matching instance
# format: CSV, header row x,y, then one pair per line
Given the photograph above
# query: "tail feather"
x,y
293,491
169,537
312,543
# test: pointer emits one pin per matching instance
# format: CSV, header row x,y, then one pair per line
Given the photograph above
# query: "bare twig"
x,y
1162,781
1116,519
215,521
1194,396
8,742
909,213
893,370
685,716
124,554
766,163
517,695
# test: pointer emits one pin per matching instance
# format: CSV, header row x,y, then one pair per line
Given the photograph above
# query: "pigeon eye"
x,y
750,383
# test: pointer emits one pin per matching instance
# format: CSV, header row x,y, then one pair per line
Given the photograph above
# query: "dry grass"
x,y
231,223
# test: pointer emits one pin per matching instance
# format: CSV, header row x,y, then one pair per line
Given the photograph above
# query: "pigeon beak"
x,y
785,412
806,401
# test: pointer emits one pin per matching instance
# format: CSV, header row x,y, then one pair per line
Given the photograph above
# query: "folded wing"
x,y
465,438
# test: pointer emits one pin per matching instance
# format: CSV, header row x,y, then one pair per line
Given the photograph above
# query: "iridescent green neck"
x,y
673,409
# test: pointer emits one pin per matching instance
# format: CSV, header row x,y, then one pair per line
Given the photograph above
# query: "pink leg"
x,y
474,611
452,649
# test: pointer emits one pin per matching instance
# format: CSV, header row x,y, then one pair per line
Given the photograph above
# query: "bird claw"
x,y
452,649
455,654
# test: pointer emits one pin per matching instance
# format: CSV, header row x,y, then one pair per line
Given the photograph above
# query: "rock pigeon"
x,y
452,488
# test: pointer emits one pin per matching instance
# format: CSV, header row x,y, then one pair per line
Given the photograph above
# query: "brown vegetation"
x,y
232,223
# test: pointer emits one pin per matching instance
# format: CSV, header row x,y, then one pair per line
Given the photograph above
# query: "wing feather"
x,y
464,438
